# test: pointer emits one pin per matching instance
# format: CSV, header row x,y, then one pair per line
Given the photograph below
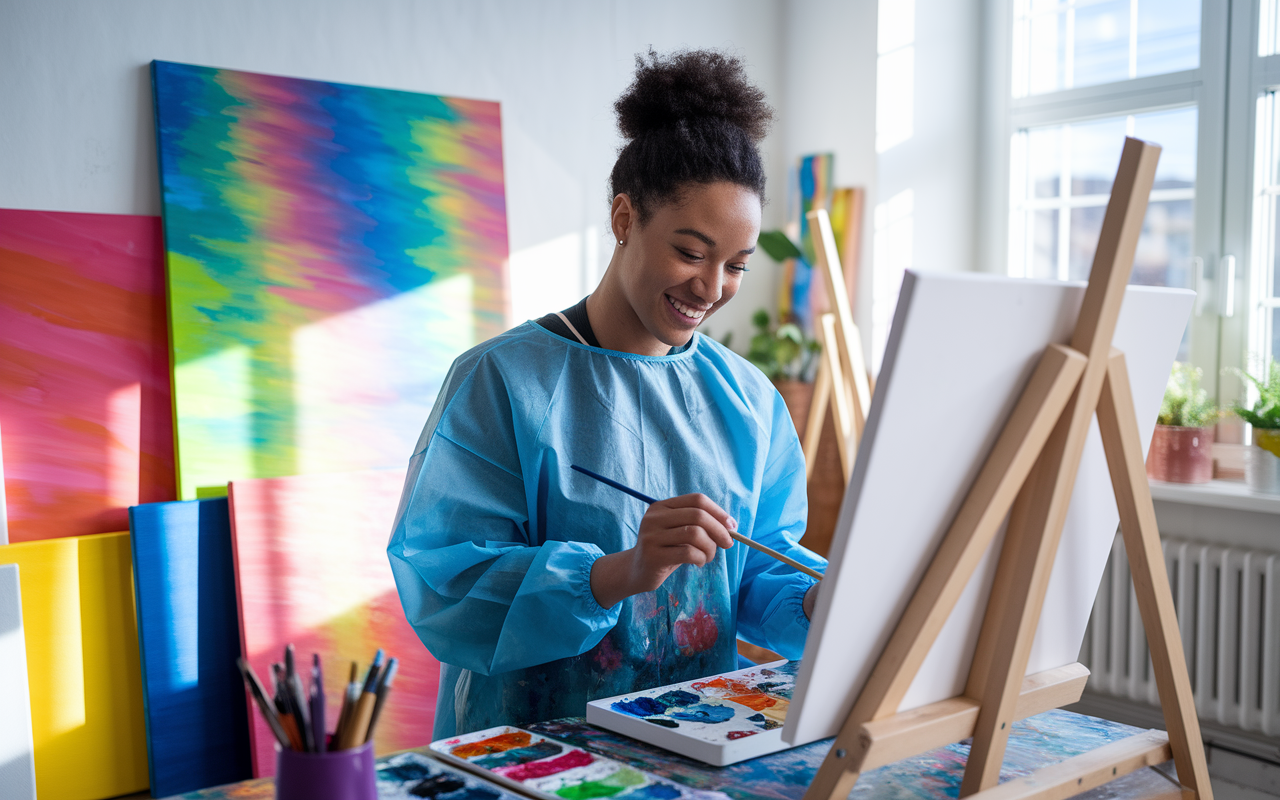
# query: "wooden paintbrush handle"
x,y
790,562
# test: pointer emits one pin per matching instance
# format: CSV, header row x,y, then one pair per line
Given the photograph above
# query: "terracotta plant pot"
x,y
1262,462
1181,455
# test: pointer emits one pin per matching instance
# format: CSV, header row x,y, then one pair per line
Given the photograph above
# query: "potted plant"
x,y
1262,460
1182,445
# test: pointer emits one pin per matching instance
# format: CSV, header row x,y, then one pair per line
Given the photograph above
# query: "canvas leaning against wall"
x,y
330,250
84,371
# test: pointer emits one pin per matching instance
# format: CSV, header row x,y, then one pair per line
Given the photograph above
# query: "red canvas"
x,y
312,569
85,406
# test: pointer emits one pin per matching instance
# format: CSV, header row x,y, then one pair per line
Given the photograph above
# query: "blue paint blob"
x,y
639,707
654,791
677,697
702,713
756,718
666,722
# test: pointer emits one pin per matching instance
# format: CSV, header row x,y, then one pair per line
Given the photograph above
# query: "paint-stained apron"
x,y
683,631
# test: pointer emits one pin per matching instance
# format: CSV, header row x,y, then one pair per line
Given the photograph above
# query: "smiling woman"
x,y
538,588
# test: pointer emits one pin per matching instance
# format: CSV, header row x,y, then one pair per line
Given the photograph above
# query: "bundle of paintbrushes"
x,y
297,717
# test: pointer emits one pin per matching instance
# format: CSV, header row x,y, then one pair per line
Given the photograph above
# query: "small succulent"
x,y
1186,404
1265,413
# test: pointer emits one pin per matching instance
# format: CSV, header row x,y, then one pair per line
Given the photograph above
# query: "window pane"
x,y
1175,131
1164,248
1101,46
1044,161
1086,225
1168,36
1044,248
1084,156
1074,43
1095,154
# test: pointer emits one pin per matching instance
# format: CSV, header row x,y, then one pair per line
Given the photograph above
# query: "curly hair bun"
x,y
690,86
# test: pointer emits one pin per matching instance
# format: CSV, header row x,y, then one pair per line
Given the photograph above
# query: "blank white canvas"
x,y
17,764
960,351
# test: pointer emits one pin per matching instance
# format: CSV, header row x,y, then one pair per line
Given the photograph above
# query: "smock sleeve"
x,y
771,594
478,591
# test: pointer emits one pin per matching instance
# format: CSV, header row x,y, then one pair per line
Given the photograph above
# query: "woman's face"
x,y
688,259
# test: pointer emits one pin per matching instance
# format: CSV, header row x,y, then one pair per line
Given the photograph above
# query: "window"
x,y
1082,75
1201,78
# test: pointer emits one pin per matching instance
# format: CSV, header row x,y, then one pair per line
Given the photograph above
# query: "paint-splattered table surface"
x,y
1036,742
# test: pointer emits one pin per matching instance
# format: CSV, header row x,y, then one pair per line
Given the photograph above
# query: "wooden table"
x,y
1036,742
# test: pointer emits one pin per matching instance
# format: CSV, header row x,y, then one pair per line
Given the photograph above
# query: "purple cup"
x,y
336,775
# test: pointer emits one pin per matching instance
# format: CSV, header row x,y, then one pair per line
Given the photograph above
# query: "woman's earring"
x,y
621,243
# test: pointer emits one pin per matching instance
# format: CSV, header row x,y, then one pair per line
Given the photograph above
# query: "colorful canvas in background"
x,y
312,569
189,638
82,664
331,249
84,371
815,192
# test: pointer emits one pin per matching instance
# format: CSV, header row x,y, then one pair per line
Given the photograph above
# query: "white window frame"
x,y
1204,87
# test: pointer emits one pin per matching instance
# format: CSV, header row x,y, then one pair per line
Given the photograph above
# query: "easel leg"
x,y
817,417
1123,447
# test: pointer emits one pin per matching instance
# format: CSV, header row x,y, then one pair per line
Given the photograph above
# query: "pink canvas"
x,y
312,569
85,404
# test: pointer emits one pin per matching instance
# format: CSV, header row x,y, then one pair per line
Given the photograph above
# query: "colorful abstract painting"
x,y
721,720
84,372
558,771
330,250
312,570
796,302
82,665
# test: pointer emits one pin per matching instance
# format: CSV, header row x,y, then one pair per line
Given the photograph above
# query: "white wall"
x,y
77,132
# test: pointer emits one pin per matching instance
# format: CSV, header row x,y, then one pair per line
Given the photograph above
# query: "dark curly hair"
x,y
690,117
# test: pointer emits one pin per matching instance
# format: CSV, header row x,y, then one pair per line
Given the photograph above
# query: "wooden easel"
x,y
1029,475
842,382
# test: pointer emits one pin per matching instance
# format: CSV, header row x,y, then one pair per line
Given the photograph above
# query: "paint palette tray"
x,y
719,720
546,768
412,776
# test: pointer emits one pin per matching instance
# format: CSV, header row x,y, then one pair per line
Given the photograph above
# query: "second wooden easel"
x,y
842,384
1029,476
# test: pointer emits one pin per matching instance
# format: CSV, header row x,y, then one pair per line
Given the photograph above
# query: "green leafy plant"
x,y
1186,404
778,246
782,352
1265,413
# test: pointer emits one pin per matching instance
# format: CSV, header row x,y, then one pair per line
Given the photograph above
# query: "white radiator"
x,y
1228,603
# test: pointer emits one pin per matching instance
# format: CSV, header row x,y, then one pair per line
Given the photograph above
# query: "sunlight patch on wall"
x,y
895,228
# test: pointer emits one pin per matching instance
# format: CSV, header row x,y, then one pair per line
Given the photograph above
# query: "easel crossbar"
x,y
939,724
1088,771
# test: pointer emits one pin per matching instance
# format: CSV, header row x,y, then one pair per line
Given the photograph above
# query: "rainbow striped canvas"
x,y
330,250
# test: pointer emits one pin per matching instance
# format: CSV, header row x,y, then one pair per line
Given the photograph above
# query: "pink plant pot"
x,y
1181,455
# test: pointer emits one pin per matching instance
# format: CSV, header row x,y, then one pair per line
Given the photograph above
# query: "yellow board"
x,y
82,663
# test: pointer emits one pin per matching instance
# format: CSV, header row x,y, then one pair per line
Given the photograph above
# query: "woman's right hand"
x,y
682,530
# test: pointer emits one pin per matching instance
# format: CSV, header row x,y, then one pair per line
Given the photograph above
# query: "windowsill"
x,y
1218,494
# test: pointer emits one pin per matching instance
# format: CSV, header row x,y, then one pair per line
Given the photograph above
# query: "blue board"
x,y
189,637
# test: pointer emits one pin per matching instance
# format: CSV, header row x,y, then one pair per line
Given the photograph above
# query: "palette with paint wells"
x,y
411,776
554,770
719,720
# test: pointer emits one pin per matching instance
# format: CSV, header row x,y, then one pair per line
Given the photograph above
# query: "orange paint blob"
x,y
757,702
494,744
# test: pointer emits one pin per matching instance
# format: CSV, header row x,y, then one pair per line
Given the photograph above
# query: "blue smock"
x,y
495,535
